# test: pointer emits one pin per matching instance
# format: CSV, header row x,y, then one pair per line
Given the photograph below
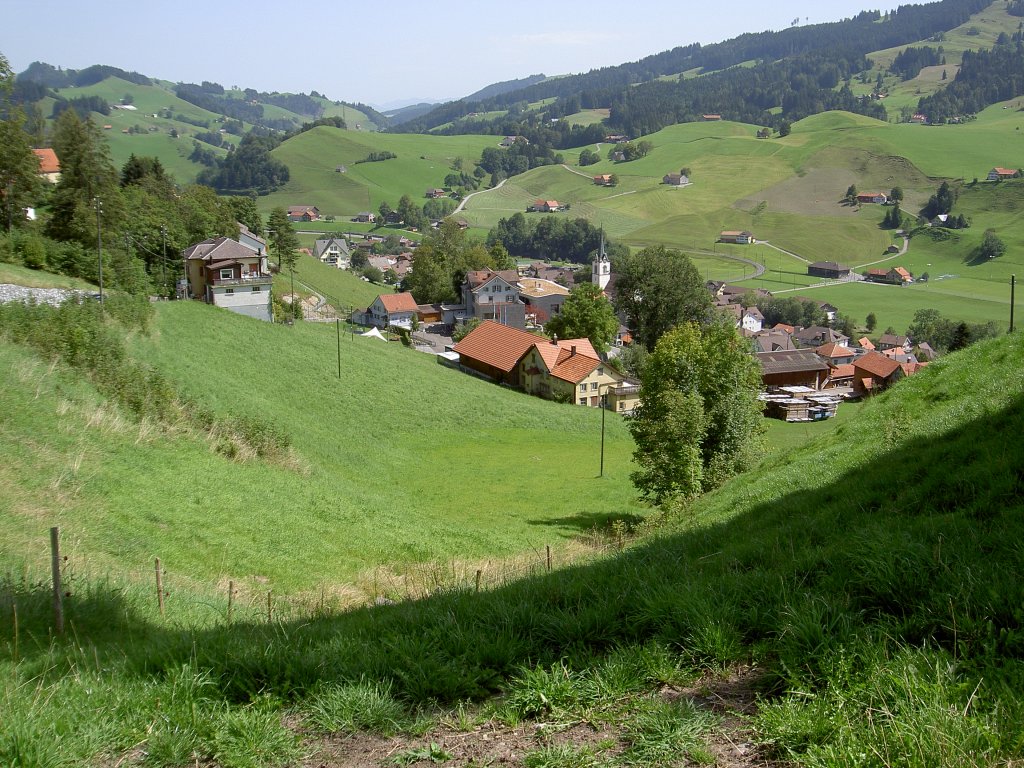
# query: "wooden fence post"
x,y
58,591
231,598
549,557
479,573
270,606
159,587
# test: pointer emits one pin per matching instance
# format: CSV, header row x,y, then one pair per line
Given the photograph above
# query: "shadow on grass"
x,y
920,545
601,522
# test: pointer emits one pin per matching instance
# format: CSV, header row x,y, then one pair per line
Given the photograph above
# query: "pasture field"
x,y
422,162
342,288
379,479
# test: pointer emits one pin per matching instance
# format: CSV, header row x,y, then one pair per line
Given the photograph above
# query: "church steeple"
x,y
601,271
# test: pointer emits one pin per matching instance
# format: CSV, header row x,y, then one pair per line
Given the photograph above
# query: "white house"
x,y
389,309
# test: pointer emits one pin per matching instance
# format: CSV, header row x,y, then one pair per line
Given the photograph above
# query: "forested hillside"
x,y
799,67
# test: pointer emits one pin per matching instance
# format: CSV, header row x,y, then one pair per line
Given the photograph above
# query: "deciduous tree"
x,y
700,418
658,289
586,313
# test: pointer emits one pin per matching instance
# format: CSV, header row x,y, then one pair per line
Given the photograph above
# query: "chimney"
x,y
572,350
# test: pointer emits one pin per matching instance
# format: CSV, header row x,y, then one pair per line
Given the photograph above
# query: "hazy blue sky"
x,y
379,53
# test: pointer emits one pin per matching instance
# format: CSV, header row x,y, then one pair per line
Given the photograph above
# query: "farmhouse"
x,y
894,341
873,372
893,276
392,309
508,141
333,251
49,165
569,370
225,273
365,217
303,213
828,269
545,206
435,193
998,174
675,179
251,240
604,180
737,237
712,117
879,198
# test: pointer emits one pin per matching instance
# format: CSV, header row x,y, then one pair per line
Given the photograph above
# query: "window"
x,y
622,405
583,387
600,371
583,401
227,273
256,289
229,290
593,386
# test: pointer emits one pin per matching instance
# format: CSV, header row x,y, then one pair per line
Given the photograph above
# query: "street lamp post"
x,y
99,241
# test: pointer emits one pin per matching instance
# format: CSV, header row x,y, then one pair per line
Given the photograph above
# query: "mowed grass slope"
x,y
398,462
421,162
850,614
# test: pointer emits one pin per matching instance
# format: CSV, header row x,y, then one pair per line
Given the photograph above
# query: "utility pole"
x,y
1013,288
604,407
163,259
99,241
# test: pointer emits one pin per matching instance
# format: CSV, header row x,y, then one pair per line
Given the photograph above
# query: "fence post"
x,y
549,557
478,574
231,598
270,606
58,592
159,587
14,611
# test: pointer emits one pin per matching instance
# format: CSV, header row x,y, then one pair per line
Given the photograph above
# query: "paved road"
x,y
463,201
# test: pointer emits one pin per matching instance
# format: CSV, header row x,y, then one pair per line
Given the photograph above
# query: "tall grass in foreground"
x,y
871,582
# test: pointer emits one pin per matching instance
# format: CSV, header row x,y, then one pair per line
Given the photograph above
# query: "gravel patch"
x,y
54,296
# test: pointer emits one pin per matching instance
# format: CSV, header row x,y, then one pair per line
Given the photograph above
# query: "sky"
x,y
385,54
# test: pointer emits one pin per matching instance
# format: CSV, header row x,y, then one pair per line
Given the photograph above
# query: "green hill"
x,y
381,477
854,597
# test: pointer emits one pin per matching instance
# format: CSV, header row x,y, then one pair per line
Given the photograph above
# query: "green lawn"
x,y
399,461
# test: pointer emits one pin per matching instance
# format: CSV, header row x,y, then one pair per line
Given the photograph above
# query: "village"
x,y
806,371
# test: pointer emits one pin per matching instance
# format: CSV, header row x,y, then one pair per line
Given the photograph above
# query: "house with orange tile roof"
x,y
998,174
49,165
835,354
568,370
874,372
392,309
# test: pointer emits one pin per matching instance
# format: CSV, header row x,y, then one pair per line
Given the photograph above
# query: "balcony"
x,y
250,278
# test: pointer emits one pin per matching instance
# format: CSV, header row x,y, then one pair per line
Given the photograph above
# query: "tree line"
x,y
854,37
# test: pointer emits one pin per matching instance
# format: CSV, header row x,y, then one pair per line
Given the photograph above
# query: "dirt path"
x,y
731,697
463,201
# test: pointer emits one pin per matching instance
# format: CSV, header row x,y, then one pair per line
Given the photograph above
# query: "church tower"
x,y
601,271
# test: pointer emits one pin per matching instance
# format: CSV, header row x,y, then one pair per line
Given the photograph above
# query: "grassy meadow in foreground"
x,y
871,616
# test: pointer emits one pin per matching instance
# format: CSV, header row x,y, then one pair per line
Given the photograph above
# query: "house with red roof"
x,y
49,165
998,174
567,370
874,372
878,198
392,309
303,213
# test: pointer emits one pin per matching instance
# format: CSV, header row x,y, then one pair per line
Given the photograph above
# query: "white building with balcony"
x,y
225,273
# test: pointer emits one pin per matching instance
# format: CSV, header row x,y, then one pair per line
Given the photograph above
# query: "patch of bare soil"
x,y
731,697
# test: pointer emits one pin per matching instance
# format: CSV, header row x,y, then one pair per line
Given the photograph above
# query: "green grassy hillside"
x,y
422,162
849,613
397,462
